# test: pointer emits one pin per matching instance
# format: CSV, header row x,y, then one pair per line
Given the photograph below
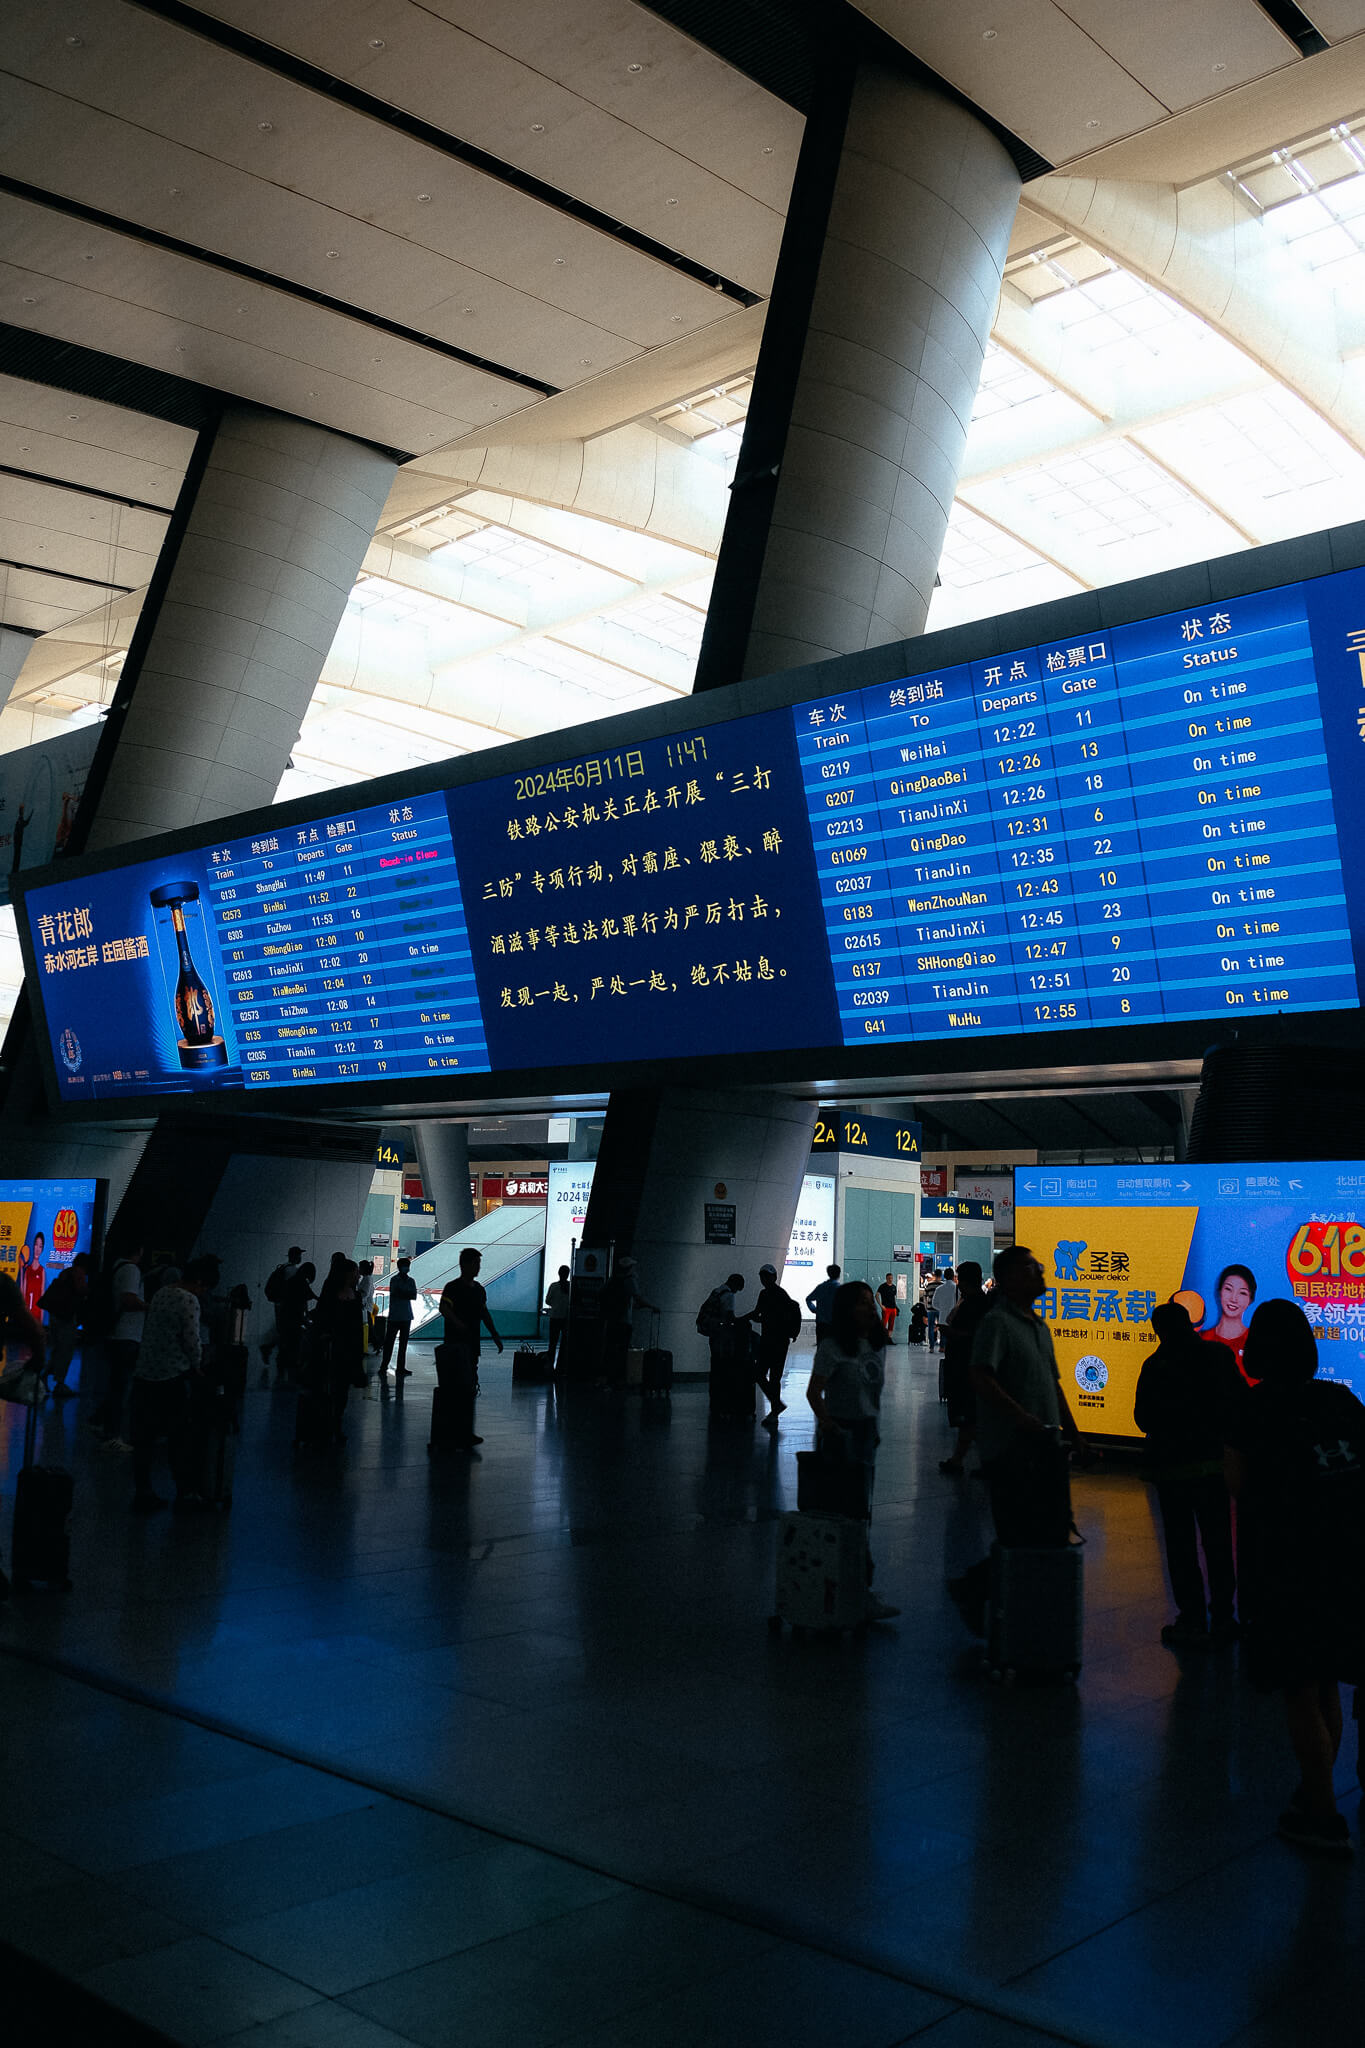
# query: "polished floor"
x,y
500,1752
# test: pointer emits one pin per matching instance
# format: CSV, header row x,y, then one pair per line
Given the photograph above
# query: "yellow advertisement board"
x,y
1107,1269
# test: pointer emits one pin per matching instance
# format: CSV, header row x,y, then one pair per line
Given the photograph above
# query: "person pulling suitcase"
x,y
1023,1428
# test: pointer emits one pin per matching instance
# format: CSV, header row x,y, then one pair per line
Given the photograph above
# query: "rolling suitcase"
x,y
656,1376
733,1393
314,1419
821,1572
656,1366
452,1419
40,1546
530,1368
1035,1613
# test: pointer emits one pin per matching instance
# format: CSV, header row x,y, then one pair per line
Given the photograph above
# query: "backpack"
x,y
791,1316
711,1317
275,1285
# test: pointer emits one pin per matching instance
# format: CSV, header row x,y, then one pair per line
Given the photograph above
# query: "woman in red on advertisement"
x,y
1236,1291
33,1277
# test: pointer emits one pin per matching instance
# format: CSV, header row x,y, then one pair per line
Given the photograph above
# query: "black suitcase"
x,y
314,1419
827,1484
40,1546
530,1368
1035,1613
656,1375
452,1419
734,1396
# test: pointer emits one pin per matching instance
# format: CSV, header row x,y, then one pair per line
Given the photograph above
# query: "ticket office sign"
x,y
1114,1241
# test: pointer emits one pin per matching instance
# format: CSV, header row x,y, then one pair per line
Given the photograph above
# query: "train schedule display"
x,y
1159,822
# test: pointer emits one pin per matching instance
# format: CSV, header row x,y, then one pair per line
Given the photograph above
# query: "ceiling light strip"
x,y
311,76
152,238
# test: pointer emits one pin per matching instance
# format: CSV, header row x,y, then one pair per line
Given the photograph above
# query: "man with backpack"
x,y
276,1291
779,1321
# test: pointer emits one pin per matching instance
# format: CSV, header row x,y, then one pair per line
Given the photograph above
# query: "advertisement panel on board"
x,y
811,1247
1116,1240
566,1210
43,1224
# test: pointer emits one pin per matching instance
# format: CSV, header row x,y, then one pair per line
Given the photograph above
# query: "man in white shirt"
x,y
820,1302
402,1294
171,1349
945,1297
121,1345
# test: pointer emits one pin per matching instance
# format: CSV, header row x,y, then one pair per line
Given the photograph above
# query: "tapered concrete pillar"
x,y
666,1154
221,675
854,440
443,1156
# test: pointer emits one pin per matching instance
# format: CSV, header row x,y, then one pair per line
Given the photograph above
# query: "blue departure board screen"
x,y
1159,822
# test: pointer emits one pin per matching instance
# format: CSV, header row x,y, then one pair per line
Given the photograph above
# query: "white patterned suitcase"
x,y
821,1572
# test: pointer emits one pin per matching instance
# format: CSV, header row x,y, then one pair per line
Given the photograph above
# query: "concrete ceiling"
x,y
85,492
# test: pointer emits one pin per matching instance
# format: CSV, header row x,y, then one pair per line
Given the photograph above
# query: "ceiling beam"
x,y
1205,250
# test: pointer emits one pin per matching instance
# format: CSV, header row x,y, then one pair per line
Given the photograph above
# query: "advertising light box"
x,y
1155,823
43,1224
1116,1240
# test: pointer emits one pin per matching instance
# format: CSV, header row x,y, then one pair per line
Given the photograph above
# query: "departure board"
x,y
1132,826
1155,823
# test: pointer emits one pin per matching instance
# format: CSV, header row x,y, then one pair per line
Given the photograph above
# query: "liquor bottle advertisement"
x,y
1114,1241
133,982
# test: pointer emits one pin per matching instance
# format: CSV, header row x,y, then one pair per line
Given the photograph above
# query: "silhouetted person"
x,y
398,1328
171,1349
1181,1406
21,824
464,1309
64,1305
959,1334
557,1297
1021,1417
274,1293
291,1315
1296,1466
779,1320
621,1297
845,1393
128,1310
820,1302
339,1334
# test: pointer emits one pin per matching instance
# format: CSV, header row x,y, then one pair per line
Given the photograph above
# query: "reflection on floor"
x,y
570,1790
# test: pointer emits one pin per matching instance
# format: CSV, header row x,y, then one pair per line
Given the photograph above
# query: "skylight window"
x,y
1007,383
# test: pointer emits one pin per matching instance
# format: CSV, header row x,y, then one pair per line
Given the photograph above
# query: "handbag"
x,y
829,1482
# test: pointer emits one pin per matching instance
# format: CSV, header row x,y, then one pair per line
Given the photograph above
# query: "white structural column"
x,y
907,287
280,523
665,1154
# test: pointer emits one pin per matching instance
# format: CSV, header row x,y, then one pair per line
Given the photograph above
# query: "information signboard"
x,y
1154,823
878,1137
